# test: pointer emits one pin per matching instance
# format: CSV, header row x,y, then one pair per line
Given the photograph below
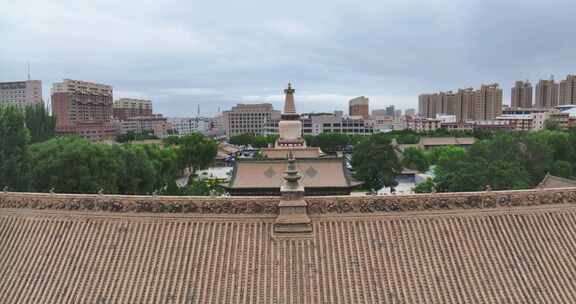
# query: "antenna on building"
x,y
28,69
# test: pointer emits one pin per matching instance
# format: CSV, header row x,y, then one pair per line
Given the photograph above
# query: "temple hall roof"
x,y
65,249
550,182
316,173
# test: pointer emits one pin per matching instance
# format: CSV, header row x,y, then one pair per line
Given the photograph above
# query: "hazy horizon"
x,y
221,53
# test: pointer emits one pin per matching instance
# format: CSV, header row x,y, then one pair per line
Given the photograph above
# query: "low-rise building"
x,y
424,124
188,125
155,123
21,93
561,119
125,108
519,122
327,123
535,121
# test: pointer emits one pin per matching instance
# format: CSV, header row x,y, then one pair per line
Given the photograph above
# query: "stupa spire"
x,y
289,106
291,175
292,220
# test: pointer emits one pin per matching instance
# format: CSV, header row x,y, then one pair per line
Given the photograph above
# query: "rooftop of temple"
x,y
485,247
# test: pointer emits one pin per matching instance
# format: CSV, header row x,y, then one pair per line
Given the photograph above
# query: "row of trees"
x,y
74,165
505,161
131,136
498,160
29,162
335,142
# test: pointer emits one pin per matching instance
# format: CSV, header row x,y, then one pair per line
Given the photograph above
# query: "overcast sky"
x,y
219,53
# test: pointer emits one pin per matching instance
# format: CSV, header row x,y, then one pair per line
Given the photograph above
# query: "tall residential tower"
x,y
546,93
522,95
568,90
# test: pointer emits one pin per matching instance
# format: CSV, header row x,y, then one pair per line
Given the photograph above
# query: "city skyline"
x,y
181,55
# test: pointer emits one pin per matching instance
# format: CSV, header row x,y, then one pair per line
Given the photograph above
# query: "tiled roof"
x,y
552,182
316,173
442,141
501,255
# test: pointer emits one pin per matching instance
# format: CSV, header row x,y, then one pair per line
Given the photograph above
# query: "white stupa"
x,y
290,127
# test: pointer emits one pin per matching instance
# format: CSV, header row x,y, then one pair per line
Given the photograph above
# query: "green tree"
x,y
435,155
40,123
242,139
171,140
165,163
330,142
73,165
136,174
14,140
563,168
130,136
375,162
457,173
196,151
426,186
405,136
536,154
414,158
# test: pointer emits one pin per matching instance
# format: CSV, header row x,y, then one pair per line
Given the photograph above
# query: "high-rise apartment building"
x,y
248,118
84,108
521,95
21,93
433,104
359,106
125,108
465,104
390,110
451,103
425,108
546,94
568,90
465,101
488,102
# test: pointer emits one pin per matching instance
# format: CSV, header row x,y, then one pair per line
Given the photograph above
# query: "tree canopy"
x,y
196,151
375,162
14,140
40,123
414,158
504,161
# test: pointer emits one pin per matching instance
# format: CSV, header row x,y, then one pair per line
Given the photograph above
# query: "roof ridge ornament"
x,y
292,220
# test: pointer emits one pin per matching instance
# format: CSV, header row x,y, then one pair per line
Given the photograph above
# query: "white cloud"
x,y
184,53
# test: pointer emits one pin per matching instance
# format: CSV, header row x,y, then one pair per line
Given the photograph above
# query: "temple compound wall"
x,y
269,205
